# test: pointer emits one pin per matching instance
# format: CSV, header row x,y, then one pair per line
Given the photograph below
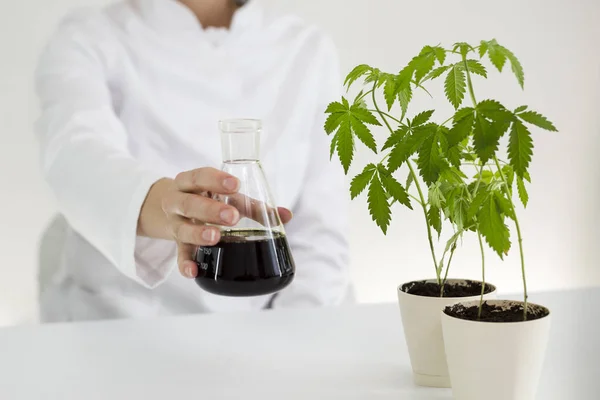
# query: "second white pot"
x,y
423,332
495,360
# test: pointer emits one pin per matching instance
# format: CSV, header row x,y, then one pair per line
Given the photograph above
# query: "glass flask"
x,y
253,257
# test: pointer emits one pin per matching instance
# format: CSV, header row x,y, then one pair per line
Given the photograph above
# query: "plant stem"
x,y
387,115
446,121
417,185
429,234
362,96
469,82
415,198
520,238
481,248
422,87
472,94
447,269
482,276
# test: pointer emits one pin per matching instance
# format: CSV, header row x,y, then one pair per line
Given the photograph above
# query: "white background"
x,y
556,41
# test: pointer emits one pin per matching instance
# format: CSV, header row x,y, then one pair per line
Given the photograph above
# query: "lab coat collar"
x,y
171,16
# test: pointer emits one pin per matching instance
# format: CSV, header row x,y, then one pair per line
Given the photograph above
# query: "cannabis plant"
x,y
454,170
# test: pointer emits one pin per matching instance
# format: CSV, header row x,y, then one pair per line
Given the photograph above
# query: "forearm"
x,y
153,222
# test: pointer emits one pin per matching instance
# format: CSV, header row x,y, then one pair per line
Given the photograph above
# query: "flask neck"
x,y
240,140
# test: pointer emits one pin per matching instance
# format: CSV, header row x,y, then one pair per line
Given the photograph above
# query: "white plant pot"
x,y
495,360
423,332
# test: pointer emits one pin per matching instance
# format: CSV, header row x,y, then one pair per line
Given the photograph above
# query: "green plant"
x,y
461,178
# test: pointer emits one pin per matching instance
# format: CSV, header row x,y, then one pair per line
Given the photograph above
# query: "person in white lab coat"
x,y
130,97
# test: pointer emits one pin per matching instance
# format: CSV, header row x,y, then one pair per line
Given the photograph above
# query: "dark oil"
x,y
245,263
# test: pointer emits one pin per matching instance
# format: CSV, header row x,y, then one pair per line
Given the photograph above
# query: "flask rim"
x,y
240,125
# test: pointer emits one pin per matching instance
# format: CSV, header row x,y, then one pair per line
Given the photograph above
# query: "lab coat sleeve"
x,y
318,233
99,186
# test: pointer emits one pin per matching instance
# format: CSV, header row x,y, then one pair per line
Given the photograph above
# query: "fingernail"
x,y
189,273
230,184
227,216
209,235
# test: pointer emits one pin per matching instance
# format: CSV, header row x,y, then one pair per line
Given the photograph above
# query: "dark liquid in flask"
x,y
245,263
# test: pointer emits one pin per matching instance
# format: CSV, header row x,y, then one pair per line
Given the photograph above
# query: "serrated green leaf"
x,y
373,76
485,139
379,208
520,109
496,54
509,175
483,48
409,145
349,121
359,101
333,121
363,133
345,144
436,73
454,156
492,227
486,176
494,111
421,118
403,150
424,62
453,239
480,197
440,54
520,148
462,113
429,161
404,97
476,67
434,219
469,156
455,86
390,91
395,137
443,138
504,204
515,65
356,73
458,207
522,191
491,122
463,126
405,76
332,146
336,107
538,120
436,197
395,190
364,115
463,47
360,181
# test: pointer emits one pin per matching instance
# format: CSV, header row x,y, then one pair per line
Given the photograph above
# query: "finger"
x,y
187,266
284,214
258,210
207,179
200,208
199,235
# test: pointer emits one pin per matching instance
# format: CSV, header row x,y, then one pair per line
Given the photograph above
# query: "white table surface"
x,y
350,353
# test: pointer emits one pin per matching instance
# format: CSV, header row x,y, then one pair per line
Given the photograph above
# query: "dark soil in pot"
x,y
431,289
496,313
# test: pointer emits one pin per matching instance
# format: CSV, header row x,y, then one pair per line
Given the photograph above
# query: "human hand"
x,y
188,207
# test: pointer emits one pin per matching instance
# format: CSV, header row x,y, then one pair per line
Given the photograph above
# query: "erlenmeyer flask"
x,y
253,257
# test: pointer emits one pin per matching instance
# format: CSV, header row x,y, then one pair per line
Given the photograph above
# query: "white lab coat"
x,y
132,93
